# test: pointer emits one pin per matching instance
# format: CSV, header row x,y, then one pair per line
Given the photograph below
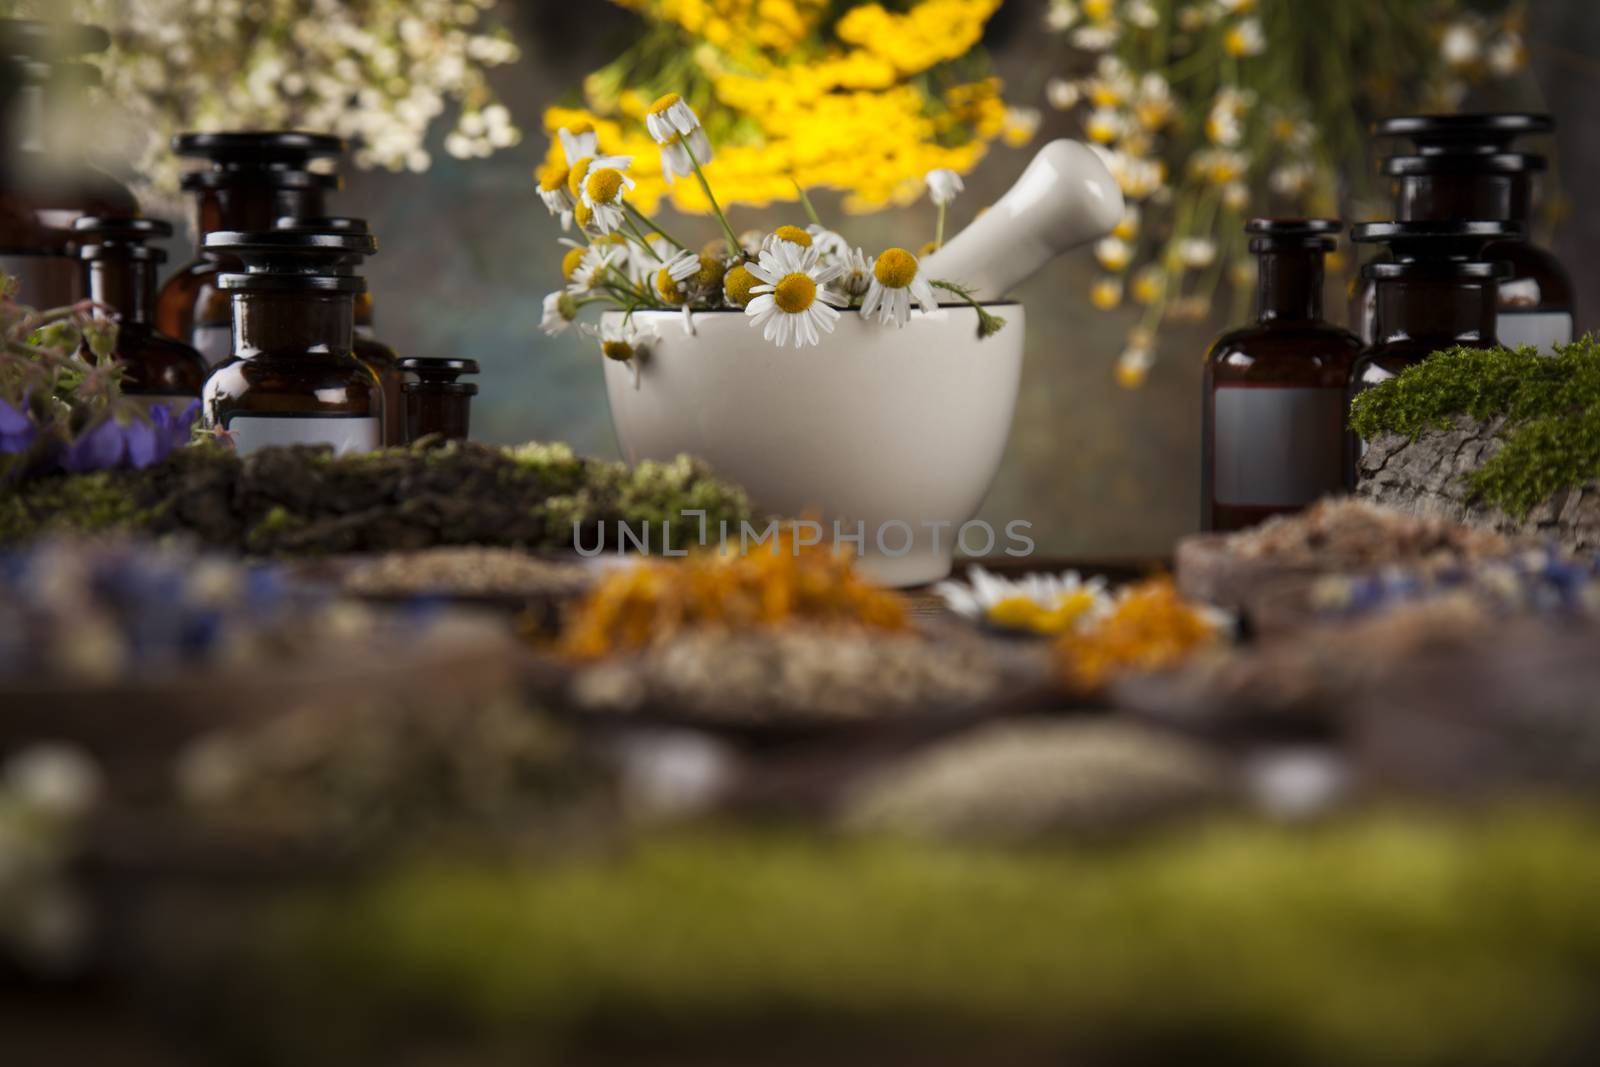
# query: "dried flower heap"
x,y
792,283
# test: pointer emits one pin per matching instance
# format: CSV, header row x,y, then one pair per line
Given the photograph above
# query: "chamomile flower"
x,y
603,190
578,141
1062,94
1036,603
738,285
856,278
586,269
622,339
792,301
750,242
679,155
943,185
687,278
793,236
559,311
1113,253
1196,253
669,118
1245,38
1133,366
830,245
896,281
553,191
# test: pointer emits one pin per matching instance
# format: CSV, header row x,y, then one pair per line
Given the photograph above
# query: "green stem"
x,y
938,230
805,202
640,239
988,324
648,221
733,238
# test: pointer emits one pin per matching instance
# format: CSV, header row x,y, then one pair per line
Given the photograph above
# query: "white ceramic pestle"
x,y
1064,199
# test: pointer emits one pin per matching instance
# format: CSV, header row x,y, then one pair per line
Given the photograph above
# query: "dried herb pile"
x,y
305,500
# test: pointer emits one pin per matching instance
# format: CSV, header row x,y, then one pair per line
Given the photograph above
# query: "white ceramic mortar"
x,y
901,430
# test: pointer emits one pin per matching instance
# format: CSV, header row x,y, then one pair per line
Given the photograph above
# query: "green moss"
x,y
82,503
1390,940
1550,404
450,494
278,520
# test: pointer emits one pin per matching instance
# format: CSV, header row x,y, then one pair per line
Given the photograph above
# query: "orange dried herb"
x,y
1151,627
784,582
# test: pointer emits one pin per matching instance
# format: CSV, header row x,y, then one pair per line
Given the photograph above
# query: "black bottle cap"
x,y
274,177
1482,134
1274,235
1437,248
324,224
328,224
293,259
1496,163
441,371
290,149
113,238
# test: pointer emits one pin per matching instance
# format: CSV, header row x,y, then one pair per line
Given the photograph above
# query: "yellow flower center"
x,y
581,127
604,185
620,351
710,272
794,293
552,178
668,288
896,268
663,102
575,176
583,213
570,261
736,286
794,235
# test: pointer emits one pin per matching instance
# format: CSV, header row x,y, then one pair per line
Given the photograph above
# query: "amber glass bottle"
x,y
45,182
1464,168
293,377
1274,391
121,276
437,404
253,180
369,350
1436,290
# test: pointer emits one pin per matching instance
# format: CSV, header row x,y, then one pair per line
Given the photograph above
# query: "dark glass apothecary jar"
x,y
1273,410
437,402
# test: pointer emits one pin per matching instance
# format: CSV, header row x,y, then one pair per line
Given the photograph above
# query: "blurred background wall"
x,y
1101,471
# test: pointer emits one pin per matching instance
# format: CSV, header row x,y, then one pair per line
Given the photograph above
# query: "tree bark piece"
x,y
1429,476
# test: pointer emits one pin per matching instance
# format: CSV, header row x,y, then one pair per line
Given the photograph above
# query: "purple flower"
x,y
146,441
99,448
17,430
175,429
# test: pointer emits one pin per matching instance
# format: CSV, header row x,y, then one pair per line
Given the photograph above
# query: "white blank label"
x,y
346,435
1541,329
1277,447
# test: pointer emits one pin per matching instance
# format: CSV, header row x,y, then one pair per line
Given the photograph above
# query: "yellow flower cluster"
x,y
925,36
855,109
732,25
